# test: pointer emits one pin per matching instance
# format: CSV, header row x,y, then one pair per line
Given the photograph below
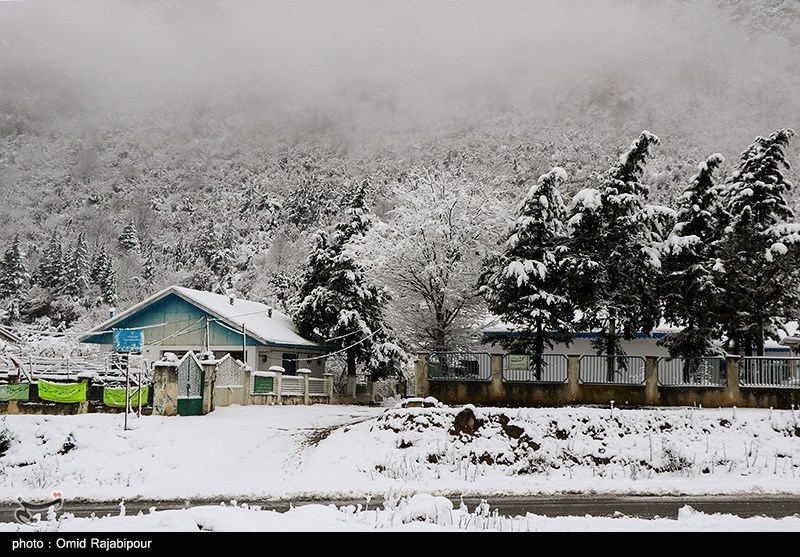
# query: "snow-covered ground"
x,y
409,457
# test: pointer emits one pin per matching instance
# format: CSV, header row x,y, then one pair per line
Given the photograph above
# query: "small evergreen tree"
x,y
149,269
76,282
51,270
129,238
524,284
14,278
336,305
108,282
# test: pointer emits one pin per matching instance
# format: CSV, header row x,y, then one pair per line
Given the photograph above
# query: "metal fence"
x,y
291,385
692,371
760,371
316,386
535,368
616,370
459,366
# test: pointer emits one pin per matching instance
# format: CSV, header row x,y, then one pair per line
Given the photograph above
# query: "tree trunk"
x,y
611,349
351,362
539,349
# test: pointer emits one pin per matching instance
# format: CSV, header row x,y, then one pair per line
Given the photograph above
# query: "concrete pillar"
x,y
496,391
165,389
573,377
651,397
304,372
352,380
278,371
13,405
209,378
421,388
328,384
246,378
732,392
83,406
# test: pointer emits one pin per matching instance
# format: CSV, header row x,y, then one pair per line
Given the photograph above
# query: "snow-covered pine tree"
x,y
129,238
338,307
51,270
524,283
14,277
149,266
762,275
108,282
691,290
98,264
211,251
77,271
612,262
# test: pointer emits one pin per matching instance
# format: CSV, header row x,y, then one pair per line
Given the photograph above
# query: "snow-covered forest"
x,y
626,160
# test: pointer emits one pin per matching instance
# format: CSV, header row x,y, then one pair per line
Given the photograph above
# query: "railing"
x,y
612,370
291,385
316,387
459,366
687,372
759,371
106,370
535,368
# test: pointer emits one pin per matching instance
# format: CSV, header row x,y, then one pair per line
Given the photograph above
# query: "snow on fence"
x,y
316,387
535,368
760,371
616,370
291,385
108,369
688,372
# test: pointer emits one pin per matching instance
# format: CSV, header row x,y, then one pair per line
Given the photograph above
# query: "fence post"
x,y
13,405
573,377
165,388
496,386
86,378
328,375
732,389
304,372
209,378
276,385
247,372
651,396
421,386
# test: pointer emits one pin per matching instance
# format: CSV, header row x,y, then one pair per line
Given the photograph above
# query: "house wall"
x,y
270,356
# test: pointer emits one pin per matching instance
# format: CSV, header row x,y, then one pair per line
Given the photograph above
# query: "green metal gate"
x,y
190,386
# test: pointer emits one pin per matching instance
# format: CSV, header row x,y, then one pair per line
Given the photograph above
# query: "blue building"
x,y
179,320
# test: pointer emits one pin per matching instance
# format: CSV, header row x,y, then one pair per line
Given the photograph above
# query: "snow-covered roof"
x,y
261,322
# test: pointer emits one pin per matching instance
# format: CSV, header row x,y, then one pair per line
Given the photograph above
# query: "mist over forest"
x,y
252,123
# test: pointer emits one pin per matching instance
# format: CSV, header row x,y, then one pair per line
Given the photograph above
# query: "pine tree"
x,y
762,281
613,257
14,277
213,252
76,283
51,270
524,284
129,238
98,265
108,282
150,265
337,306
690,258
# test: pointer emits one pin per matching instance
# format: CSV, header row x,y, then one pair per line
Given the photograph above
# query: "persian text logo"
x,y
30,513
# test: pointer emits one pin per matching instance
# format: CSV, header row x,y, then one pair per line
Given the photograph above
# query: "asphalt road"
x,y
642,506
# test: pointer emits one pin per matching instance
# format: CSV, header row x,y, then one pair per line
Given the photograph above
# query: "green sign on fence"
x,y
15,391
62,392
262,385
115,396
517,362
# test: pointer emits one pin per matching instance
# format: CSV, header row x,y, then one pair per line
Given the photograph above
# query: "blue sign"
x,y
128,340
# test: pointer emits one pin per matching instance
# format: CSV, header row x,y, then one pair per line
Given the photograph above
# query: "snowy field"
x,y
408,458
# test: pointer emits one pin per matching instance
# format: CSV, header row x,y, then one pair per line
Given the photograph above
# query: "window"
x,y
289,363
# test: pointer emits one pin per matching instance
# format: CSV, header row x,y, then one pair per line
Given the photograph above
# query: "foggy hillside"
x,y
263,117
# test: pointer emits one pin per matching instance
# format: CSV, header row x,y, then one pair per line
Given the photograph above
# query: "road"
x,y
642,506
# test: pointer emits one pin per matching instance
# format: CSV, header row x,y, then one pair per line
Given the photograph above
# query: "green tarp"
x,y
15,391
115,396
62,392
